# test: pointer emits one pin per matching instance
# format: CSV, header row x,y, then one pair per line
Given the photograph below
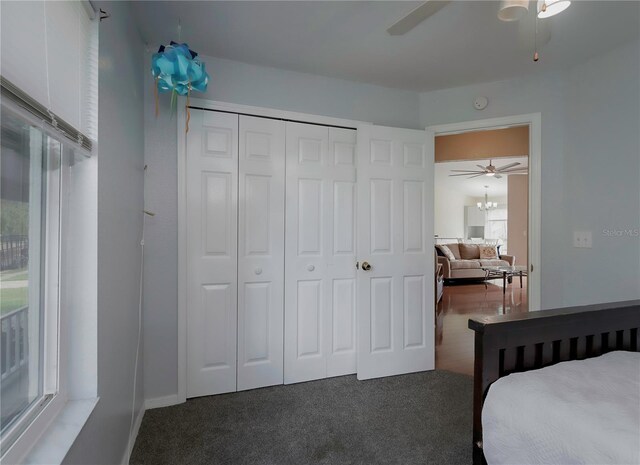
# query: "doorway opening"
x,y
482,229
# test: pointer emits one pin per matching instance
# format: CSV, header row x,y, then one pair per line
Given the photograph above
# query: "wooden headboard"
x,y
507,344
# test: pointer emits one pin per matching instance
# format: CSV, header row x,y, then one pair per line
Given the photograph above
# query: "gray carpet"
x,y
421,418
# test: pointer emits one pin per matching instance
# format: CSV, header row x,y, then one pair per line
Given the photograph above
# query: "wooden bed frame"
x,y
507,344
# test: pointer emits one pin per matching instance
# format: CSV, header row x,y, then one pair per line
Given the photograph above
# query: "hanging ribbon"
x,y
155,89
186,129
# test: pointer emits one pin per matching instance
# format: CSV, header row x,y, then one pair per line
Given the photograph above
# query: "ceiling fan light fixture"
x,y
549,8
513,10
491,174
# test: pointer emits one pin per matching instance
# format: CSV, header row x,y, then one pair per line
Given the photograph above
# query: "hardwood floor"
x,y
454,340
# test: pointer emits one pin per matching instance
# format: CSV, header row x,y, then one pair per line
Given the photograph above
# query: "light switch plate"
x,y
582,239
577,239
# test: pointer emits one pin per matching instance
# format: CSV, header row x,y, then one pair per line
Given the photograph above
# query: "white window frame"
x,y
33,423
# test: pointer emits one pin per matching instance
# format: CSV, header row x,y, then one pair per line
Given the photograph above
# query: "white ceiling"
x,y
463,43
474,187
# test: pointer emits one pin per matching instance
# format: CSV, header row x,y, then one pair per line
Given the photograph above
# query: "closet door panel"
x,y
341,242
255,324
310,217
212,171
257,215
395,295
309,314
306,225
344,318
320,253
260,252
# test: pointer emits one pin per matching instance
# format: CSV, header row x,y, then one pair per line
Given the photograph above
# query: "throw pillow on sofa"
x,y
488,251
446,251
469,251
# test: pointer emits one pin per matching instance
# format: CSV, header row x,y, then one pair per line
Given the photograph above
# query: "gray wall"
x,y
243,84
566,110
161,243
602,181
236,82
541,93
590,158
104,438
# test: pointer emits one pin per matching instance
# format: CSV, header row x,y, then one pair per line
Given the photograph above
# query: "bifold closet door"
x,y
261,252
320,291
212,262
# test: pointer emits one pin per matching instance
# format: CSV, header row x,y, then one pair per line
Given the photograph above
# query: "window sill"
x,y
57,439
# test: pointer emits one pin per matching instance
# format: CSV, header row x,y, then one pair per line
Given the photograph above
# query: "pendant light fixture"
x,y
513,10
549,8
487,205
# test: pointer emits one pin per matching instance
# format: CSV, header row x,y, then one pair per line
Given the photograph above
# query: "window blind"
x,y
49,64
22,99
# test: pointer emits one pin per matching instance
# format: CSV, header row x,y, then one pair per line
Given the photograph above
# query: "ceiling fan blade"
x,y
497,176
468,174
506,167
483,168
416,16
476,175
515,170
468,171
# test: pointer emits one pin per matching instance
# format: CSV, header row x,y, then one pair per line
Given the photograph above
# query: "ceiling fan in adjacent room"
x,y
492,171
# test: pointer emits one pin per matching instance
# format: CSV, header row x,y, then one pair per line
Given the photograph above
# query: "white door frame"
x,y
533,120
182,209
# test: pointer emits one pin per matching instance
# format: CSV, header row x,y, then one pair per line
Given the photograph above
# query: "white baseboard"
x,y
134,435
159,402
156,402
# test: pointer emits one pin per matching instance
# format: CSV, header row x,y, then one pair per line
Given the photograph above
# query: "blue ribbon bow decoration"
x,y
177,69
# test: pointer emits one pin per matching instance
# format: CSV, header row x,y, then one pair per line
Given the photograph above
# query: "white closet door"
x,y
340,291
395,237
212,173
261,252
319,253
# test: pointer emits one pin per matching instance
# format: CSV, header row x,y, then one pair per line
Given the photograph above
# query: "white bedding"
x,y
578,412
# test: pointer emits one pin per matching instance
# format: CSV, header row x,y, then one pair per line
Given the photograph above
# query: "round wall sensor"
x,y
480,103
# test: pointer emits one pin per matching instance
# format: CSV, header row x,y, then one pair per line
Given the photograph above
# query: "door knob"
x,y
366,266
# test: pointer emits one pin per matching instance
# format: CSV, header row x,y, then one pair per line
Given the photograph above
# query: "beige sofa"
x,y
467,263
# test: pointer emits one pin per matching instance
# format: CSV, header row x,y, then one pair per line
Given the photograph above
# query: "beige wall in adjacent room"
x,y
480,145
517,216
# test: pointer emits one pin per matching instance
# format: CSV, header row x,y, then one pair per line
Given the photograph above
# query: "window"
x,y
496,227
29,159
29,266
48,216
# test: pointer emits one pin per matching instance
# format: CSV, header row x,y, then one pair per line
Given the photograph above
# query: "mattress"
x,y
577,412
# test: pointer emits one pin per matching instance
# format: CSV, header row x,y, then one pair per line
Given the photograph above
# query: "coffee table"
x,y
504,272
